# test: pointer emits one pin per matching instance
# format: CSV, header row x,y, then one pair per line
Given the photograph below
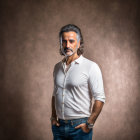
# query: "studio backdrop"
x,y
29,49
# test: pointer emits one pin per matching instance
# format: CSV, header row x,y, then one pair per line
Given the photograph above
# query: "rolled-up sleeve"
x,y
96,83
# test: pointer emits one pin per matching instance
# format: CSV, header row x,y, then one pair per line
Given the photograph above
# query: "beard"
x,y
67,49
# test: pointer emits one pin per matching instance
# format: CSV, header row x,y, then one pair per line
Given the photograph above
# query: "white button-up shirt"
x,y
74,88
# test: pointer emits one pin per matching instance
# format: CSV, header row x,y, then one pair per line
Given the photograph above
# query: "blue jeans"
x,y
67,130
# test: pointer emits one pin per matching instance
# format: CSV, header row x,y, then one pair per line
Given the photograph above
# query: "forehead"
x,y
70,34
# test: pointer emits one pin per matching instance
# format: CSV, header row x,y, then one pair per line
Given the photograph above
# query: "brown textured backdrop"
x,y
29,50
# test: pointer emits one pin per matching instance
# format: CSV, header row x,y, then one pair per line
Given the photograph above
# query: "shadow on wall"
x,y
12,103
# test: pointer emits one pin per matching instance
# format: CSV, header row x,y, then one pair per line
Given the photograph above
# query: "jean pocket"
x,y
84,131
53,126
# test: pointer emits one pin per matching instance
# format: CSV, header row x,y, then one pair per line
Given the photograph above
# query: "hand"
x,y
55,122
84,127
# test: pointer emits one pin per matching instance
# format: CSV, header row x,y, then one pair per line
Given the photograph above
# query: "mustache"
x,y
65,49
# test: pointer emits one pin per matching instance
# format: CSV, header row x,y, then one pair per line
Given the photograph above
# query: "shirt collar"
x,y
78,60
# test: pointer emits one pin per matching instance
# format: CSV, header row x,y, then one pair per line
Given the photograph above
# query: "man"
x,y
76,81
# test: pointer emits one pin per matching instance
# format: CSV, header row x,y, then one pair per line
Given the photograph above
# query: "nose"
x,y
68,44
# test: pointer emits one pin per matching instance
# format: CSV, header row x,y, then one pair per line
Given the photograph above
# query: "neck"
x,y
71,58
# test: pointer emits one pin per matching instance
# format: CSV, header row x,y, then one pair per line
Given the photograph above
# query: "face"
x,y
70,42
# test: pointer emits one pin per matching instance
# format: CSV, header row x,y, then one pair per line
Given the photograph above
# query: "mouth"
x,y
68,50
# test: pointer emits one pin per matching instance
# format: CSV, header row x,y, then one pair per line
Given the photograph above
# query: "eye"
x,y
72,41
64,41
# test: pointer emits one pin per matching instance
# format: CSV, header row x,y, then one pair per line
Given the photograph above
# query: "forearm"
x,y
97,107
53,108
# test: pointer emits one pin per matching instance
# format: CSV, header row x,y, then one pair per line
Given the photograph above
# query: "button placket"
x,y
66,73
63,95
